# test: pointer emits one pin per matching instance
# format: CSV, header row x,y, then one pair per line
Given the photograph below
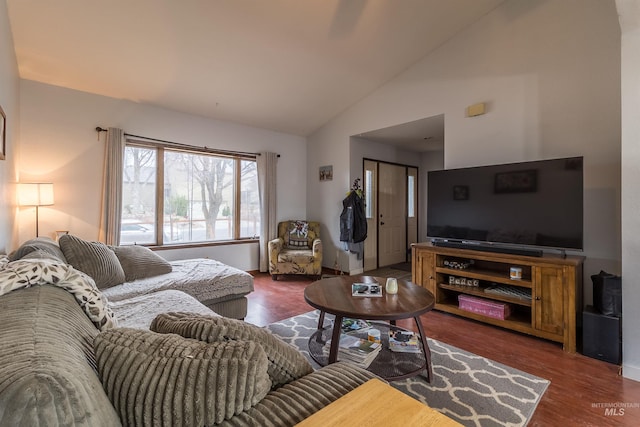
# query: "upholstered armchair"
x,y
297,250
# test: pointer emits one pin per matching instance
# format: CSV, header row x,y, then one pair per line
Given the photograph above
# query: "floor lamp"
x,y
35,194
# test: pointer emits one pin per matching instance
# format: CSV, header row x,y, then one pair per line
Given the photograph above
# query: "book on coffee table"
x,y
404,341
366,290
357,350
354,325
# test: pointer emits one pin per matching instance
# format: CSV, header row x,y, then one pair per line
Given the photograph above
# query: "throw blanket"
x,y
32,272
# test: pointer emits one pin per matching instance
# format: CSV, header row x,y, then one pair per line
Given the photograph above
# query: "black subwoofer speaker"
x,y
601,336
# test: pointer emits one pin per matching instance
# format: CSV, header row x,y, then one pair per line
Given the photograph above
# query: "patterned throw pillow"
x,y
94,259
165,379
28,271
298,235
286,363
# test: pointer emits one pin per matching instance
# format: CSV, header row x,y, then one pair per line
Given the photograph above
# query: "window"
x,y
175,196
368,197
138,196
249,200
411,196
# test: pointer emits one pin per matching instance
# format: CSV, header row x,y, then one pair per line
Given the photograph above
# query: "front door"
x,y
392,214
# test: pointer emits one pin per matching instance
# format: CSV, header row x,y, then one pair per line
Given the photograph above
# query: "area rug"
x,y
471,389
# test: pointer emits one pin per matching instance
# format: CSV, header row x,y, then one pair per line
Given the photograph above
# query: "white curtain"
x,y
112,187
267,163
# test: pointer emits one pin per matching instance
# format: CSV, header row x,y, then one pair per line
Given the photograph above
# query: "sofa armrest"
x,y
293,402
47,363
317,248
275,246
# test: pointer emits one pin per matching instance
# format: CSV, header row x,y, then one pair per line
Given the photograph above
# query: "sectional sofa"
x,y
71,357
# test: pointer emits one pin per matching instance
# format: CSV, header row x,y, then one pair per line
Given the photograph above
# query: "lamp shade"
x,y
35,194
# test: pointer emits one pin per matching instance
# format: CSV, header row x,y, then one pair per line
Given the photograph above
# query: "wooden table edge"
x,y
376,403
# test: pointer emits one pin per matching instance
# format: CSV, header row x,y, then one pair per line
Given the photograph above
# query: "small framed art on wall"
x,y
326,173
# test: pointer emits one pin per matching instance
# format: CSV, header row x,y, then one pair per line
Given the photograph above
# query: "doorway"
x,y
419,143
391,196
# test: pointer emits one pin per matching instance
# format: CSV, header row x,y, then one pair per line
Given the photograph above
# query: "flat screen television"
x,y
526,206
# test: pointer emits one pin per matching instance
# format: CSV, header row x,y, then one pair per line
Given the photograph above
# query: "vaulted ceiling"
x,y
285,65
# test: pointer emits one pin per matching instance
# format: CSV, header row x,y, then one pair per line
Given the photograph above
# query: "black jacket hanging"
x,y
353,222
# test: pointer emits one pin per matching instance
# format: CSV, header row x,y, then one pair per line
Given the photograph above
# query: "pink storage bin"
x,y
488,308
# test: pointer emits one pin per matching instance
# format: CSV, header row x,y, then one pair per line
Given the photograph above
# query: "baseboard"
x,y
631,372
332,271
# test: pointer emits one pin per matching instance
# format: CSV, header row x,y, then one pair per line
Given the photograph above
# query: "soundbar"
x,y
461,244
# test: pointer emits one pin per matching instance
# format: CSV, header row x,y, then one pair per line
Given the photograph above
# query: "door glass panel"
x,y
368,193
411,202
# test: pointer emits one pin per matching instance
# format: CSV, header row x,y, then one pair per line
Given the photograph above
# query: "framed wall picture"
x,y
326,173
3,134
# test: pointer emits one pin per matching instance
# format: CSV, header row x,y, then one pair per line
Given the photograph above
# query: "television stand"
x,y
545,302
461,244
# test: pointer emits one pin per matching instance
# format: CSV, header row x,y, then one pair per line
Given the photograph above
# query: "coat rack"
x,y
356,187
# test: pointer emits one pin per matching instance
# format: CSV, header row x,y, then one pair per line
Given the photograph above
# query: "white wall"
x,y
60,145
430,160
329,146
361,148
549,72
629,11
9,101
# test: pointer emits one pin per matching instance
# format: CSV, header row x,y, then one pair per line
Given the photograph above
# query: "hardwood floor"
x,y
580,386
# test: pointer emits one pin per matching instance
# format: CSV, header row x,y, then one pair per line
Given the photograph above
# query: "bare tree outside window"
x,y
139,201
214,176
249,200
206,182
202,197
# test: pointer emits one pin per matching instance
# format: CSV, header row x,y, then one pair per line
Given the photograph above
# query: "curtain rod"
x,y
187,146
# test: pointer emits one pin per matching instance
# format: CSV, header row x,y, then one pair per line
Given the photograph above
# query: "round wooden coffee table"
x,y
333,295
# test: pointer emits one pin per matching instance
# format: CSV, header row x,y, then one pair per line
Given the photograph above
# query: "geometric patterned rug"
x,y
473,390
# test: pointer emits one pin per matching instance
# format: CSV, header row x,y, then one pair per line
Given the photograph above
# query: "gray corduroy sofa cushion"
x,y
165,379
293,402
286,363
41,244
47,363
94,259
139,262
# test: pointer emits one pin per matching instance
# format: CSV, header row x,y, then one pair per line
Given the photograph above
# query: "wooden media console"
x,y
545,301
